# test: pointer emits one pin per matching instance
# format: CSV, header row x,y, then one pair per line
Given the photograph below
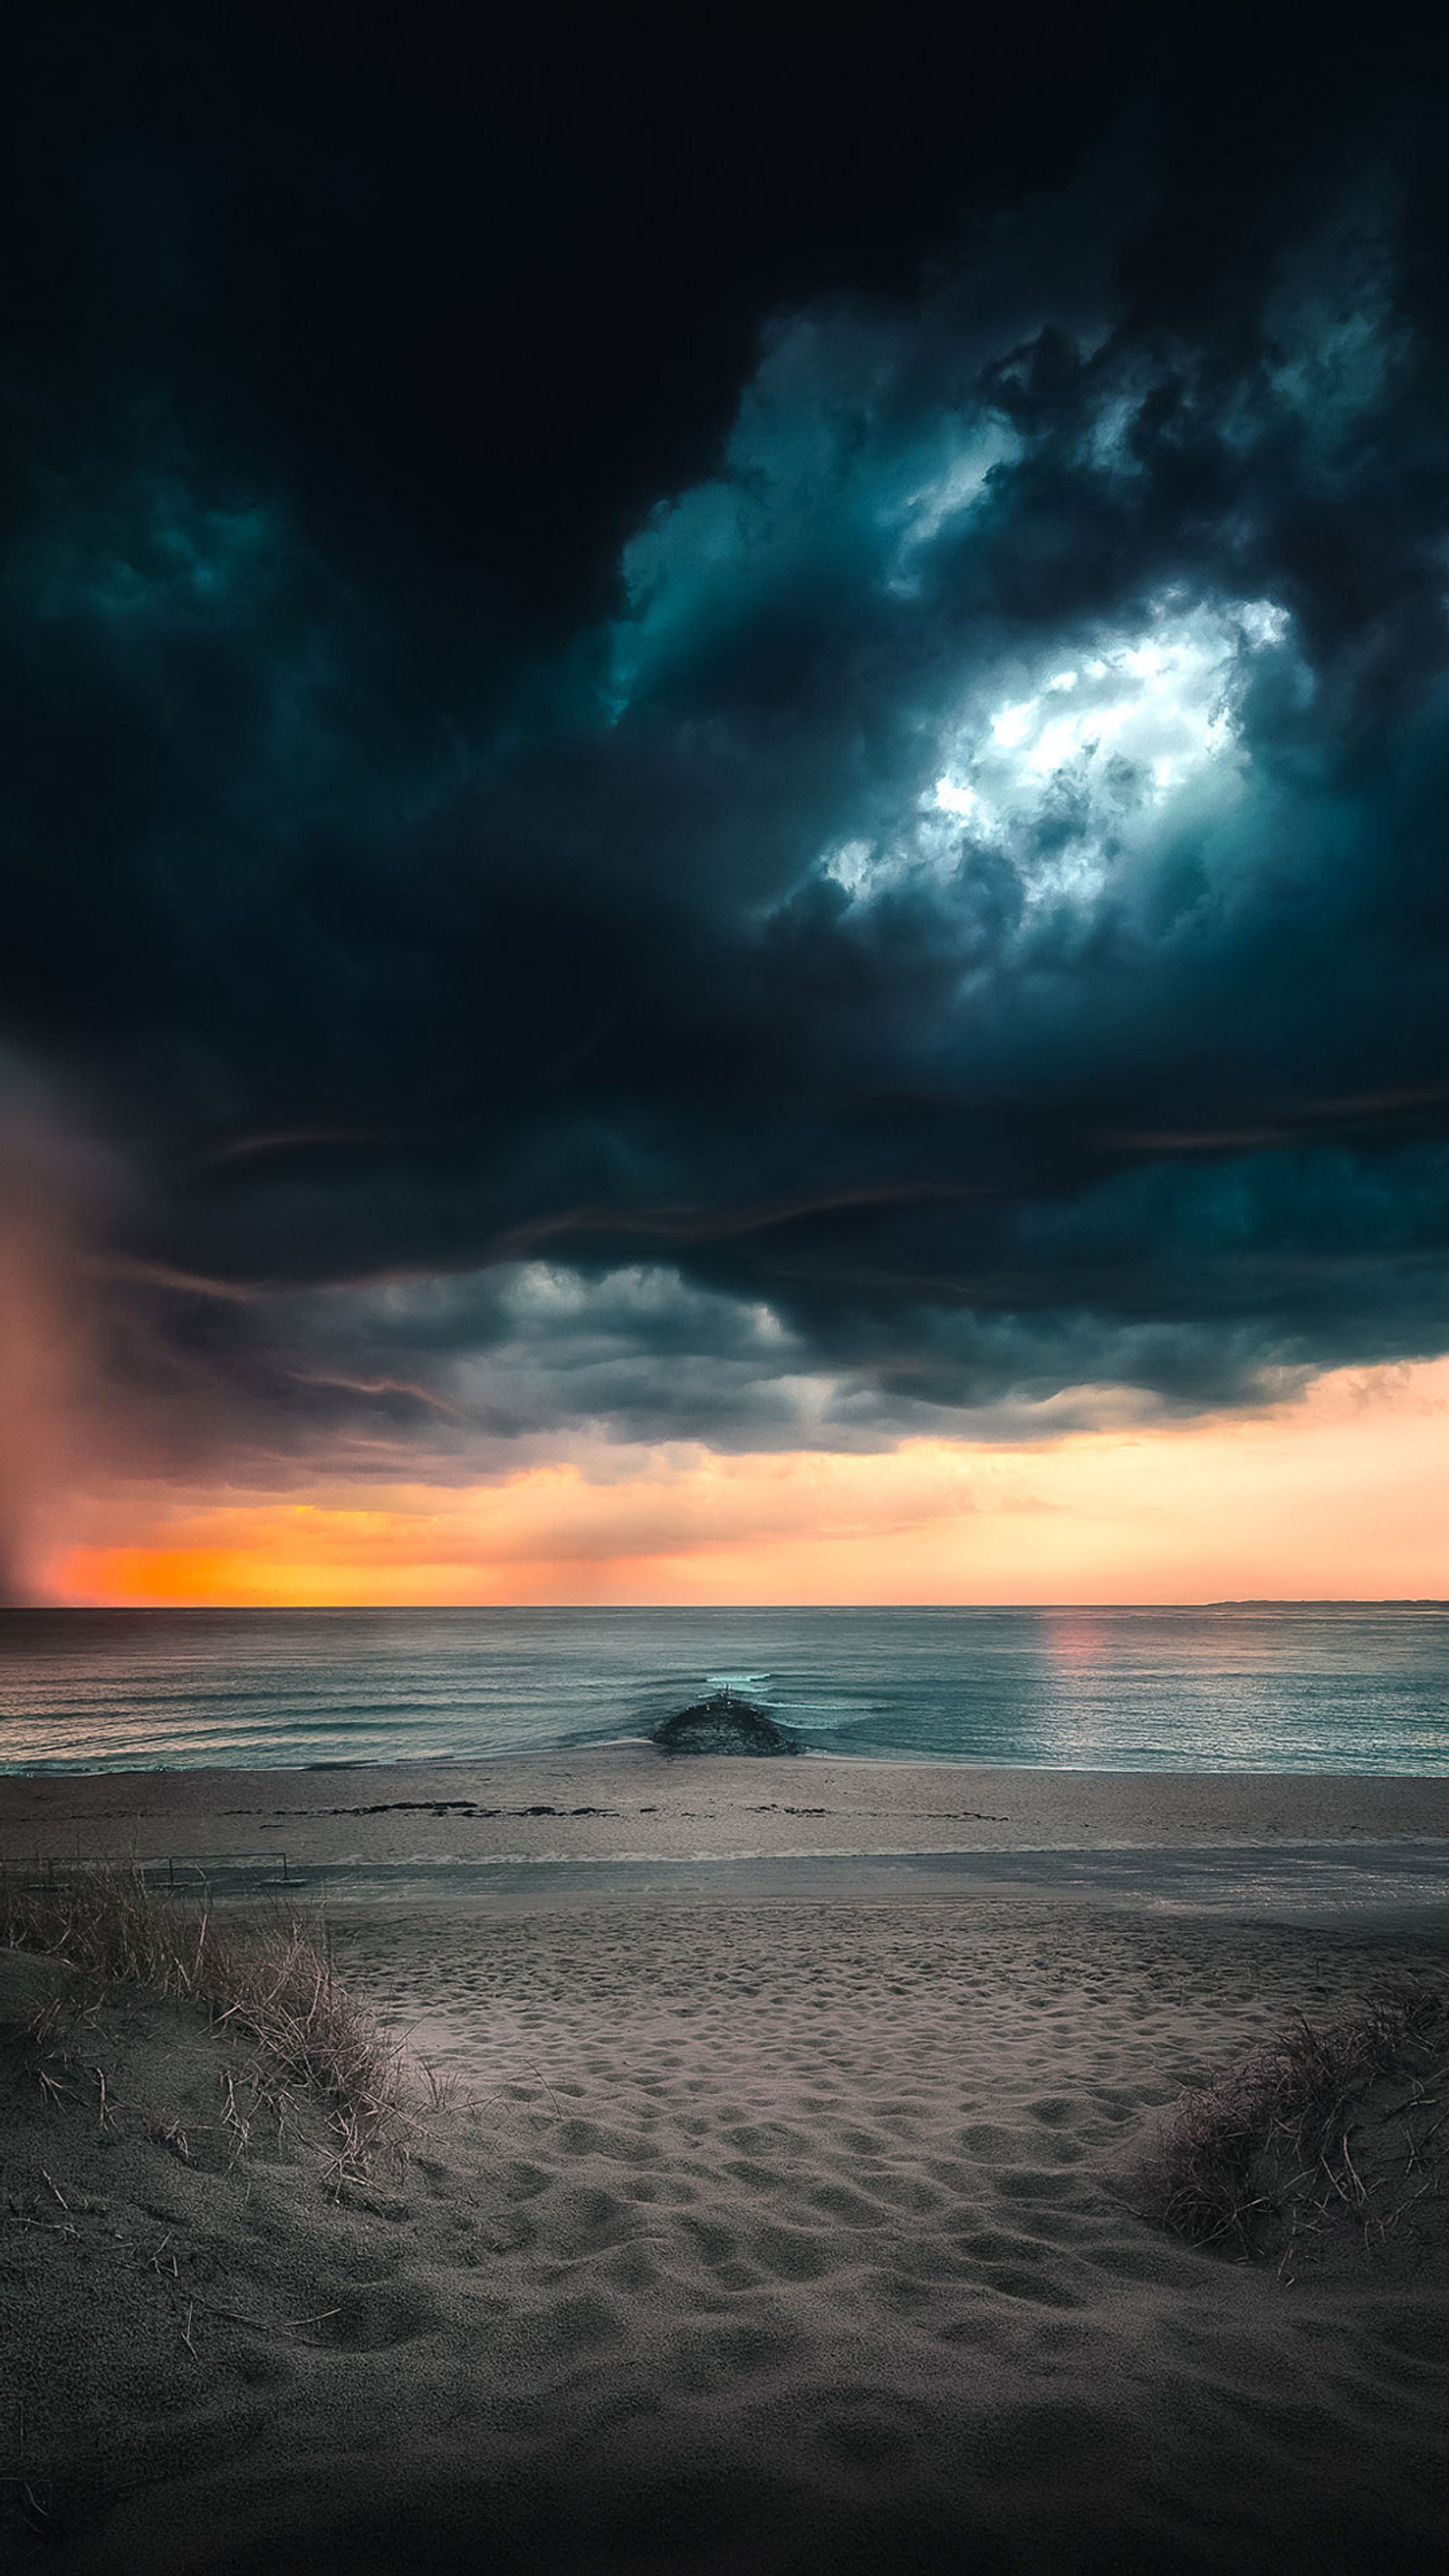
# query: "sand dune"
x,y
764,2238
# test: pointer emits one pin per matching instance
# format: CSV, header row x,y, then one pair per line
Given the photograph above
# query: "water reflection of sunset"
x,y
1075,1642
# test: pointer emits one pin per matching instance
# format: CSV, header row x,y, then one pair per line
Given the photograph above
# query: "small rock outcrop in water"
x,y
723,1724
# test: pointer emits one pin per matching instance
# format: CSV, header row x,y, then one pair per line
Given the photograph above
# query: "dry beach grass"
x,y
1293,2141
266,1977
758,2239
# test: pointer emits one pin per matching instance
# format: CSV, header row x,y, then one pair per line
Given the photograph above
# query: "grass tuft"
x,y
261,1977
1266,2147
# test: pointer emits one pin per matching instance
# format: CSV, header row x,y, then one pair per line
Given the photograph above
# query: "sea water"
x,y
1243,1687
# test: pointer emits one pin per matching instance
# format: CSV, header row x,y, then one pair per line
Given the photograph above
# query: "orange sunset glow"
x,y
1338,1495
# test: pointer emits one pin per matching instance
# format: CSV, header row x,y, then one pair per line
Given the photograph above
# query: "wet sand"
x,y
627,1802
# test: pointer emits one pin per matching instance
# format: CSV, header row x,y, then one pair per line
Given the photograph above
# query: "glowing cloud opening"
x,y
1067,777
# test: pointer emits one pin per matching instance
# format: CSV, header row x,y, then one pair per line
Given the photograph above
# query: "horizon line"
x,y
430,1609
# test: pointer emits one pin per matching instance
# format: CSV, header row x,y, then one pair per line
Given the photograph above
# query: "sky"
x,y
723,810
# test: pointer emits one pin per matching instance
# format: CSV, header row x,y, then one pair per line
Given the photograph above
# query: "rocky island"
x,y
724,1724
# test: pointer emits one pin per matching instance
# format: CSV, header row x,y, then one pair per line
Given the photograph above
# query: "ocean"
x,y
1244,1687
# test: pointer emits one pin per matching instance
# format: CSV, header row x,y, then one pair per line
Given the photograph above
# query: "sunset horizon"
x,y
1164,1514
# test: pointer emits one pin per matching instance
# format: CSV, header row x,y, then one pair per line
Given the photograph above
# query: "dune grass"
x,y
263,1976
1266,2149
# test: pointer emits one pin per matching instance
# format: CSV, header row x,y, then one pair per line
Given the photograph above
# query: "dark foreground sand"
x,y
789,2235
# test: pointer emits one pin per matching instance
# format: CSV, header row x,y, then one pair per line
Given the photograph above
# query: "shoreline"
x,y
622,1823
626,1801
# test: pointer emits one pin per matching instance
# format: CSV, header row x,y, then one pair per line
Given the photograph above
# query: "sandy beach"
x,y
626,1802
767,2233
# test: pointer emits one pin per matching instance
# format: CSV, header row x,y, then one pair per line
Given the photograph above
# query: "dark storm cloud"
x,y
966,921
